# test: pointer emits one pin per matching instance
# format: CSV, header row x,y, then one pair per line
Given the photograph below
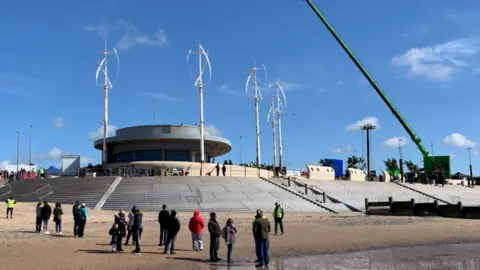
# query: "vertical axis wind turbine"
x,y
278,110
107,84
274,140
252,77
199,83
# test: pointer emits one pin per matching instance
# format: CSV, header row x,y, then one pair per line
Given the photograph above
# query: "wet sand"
x,y
305,234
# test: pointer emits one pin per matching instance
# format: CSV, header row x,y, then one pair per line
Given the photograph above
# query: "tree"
x,y
322,162
412,167
392,166
355,162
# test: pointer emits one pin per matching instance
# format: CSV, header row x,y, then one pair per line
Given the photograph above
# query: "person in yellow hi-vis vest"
x,y
10,205
278,215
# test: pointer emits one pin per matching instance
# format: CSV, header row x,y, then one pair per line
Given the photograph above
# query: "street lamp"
x,y
30,151
18,149
471,171
367,128
241,150
401,158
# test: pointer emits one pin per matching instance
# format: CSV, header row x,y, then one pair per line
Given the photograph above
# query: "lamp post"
x,y
368,127
18,149
30,150
401,158
241,150
470,166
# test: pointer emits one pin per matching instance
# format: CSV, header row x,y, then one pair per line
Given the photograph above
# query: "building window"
x,y
148,155
125,156
177,155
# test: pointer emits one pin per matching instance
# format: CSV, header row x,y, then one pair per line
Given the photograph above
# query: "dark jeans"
x,y
171,239
137,237
214,246
81,227
163,235
10,210
58,226
119,243
75,226
279,221
229,251
262,246
129,234
38,225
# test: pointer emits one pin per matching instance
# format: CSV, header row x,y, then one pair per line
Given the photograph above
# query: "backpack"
x,y
224,233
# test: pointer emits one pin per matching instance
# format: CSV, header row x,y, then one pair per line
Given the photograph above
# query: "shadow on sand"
x,y
103,251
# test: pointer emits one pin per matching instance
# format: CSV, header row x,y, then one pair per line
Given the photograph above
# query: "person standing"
x,y
196,225
224,168
229,233
122,230
10,205
38,221
137,229
57,218
173,227
215,232
82,221
76,217
163,217
129,227
46,214
278,215
218,169
261,229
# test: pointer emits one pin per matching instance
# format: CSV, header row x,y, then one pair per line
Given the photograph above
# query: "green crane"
x,y
429,161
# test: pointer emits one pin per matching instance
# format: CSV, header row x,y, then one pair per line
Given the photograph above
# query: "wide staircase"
x,y
63,190
449,193
222,194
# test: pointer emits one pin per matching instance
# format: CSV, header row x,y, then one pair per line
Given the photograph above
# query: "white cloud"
x,y
12,167
98,134
214,131
452,155
395,142
131,35
159,95
438,62
342,150
367,120
224,88
84,161
58,122
54,154
458,140
291,86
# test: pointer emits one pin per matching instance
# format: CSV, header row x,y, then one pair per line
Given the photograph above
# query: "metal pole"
x,y
274,136
401,159
471,170
280,142
241,150
18,150
368,154
30,150
257,127
154,112
200,89
105,116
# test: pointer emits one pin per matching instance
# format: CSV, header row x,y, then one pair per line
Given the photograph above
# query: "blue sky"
x,y
424,54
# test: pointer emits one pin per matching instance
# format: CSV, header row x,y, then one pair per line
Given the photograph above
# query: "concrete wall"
x,y
193,168
386,176
356,175
320,172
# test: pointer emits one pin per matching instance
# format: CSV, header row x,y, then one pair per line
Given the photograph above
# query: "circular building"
x,y
162,143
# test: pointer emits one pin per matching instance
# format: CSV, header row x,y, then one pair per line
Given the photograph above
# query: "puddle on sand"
x,y
444,257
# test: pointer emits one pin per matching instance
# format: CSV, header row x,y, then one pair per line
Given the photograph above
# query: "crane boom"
x,y
370,79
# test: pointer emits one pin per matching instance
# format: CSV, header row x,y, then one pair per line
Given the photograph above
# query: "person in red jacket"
x,y
196,225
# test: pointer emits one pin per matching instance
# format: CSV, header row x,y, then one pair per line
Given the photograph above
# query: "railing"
x,y
44,192
5,190
199,195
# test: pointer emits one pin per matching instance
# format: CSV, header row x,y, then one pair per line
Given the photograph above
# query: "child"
x,y
228,233
114,232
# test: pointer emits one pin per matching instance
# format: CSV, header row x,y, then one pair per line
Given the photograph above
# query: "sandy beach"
x,y
305,234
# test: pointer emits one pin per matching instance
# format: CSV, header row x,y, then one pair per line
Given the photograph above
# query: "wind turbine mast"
x,y
278,110
258,94
199,83
271,112
107,84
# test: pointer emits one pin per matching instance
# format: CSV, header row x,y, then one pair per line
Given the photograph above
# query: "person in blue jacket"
x,y
83,220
